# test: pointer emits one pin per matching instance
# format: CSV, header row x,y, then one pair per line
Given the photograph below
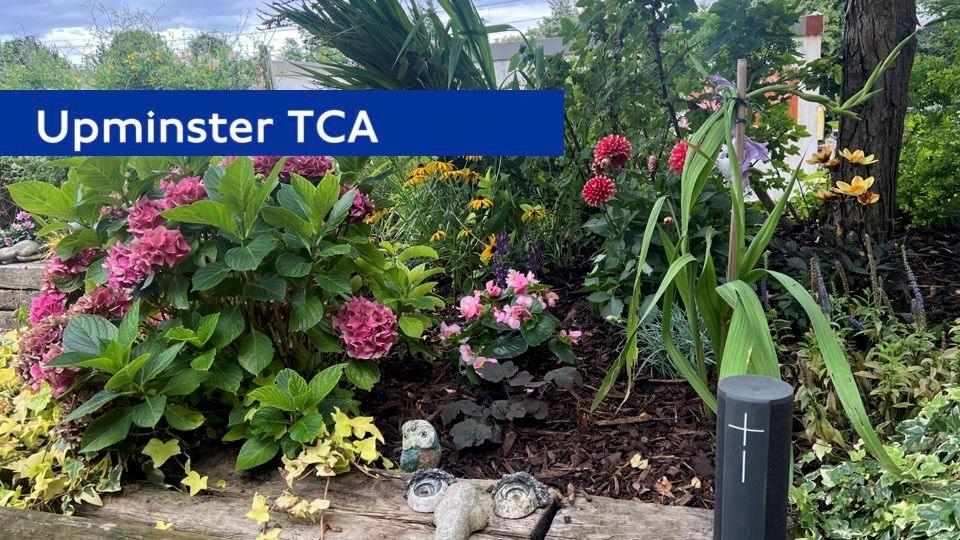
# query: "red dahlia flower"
x,y
678,156
611,152
598,190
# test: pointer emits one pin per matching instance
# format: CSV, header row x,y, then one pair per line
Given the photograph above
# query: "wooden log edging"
x,y
362,507
19,283
31,524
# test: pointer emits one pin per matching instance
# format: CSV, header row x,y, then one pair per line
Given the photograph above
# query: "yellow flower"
x,y
855,188
822,157
868,198
417,176
463,233
825,194
376,216
437,236
435,167
532,212
474,159
481,202
858,157
488,248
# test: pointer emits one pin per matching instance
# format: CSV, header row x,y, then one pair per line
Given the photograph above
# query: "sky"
x,y
70,25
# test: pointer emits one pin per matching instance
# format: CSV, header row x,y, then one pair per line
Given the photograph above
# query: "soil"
x,y
936,262
578,452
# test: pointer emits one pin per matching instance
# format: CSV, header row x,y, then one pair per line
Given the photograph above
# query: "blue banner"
x,y
302,122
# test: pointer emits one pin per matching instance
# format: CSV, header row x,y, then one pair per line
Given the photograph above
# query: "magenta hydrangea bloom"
x,y
45,305
367,328
309,167
42,343
160,247
362,205
124,267
145,215
187,191
105,301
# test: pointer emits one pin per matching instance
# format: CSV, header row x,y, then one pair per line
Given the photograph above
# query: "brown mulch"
x,y
935,258
573,450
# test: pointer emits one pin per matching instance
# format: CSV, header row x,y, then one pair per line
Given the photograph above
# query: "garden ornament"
x,y
421,446
460,512
518,495
426,487
22,251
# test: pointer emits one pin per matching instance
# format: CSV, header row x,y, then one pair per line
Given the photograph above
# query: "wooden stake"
x,y
733,253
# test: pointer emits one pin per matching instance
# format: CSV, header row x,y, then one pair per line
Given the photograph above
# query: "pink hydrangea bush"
x,y
505,321
310,167
367,328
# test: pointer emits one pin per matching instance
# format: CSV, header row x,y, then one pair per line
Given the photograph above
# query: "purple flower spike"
x,y
720,82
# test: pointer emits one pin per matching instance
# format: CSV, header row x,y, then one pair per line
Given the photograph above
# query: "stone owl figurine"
x,y
421,446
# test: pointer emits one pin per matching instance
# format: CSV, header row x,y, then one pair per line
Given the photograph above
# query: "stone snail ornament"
x,y
458,507
518,495
426,487
421,446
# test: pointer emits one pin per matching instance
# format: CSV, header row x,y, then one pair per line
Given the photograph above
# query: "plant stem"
x,y
734,248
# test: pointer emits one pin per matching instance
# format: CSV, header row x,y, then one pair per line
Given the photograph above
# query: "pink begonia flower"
x,y
44,305
367,328
493,289
161,247
466,354
479,361
8,241
145,215
361,207
470,307
524,301
552,298
187,191
512,316
448,331
574,336
105,301
520,282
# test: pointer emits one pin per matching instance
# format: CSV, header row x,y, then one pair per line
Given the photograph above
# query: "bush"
x,y
244,318
928,190
852,496
17,169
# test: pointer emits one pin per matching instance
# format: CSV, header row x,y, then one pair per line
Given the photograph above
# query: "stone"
x,y
421,446
460,513
518,495
426,487
22,251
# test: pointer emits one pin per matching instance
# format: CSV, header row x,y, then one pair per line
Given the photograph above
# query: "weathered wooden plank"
x,y
11,299
30,525
600,518
21,275
360,507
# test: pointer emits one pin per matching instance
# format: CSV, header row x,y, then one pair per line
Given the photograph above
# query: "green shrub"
x,y
928,190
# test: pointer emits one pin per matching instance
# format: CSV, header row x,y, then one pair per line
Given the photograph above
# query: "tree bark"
x,y
871,29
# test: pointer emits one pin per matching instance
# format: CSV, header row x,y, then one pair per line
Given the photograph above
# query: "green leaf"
x,y
103,174
339,211
79,239
411,326
43,199
130,326
283,218
185,382
229,327
510,346
250,256
323,383
208,325
536,334
182,418
159,452
256,452
227,376
92,405
334,250
86,334
148,413
203,362
271,396
269,288
124,375
413,252
306,429
334,281
204,212
157,363
108,429
363,373
306,315
292,265
256,352
209,276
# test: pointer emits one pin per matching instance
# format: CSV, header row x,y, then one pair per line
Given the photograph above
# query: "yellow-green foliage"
x,y
38,468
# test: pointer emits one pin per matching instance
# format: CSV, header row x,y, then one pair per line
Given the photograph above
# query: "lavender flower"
x,y
816,281
534,252
501,258
857,325
916,305
720,82
753,151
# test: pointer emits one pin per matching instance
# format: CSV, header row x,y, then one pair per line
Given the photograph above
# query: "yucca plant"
x,y
392,48
730,309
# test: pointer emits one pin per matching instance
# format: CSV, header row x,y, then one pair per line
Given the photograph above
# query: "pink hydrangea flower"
x,y
42,343
161,247
44,305
144,215
125,269
187,191
520,282
449,331
493,289
470,307
104,300
367,328
361,207
309,167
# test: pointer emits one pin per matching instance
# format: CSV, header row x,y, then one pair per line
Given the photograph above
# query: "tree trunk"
x,y
871,29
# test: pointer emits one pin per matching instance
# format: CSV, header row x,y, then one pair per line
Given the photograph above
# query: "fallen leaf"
x,y
195,482
162,525
637,462
259,511
270,534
